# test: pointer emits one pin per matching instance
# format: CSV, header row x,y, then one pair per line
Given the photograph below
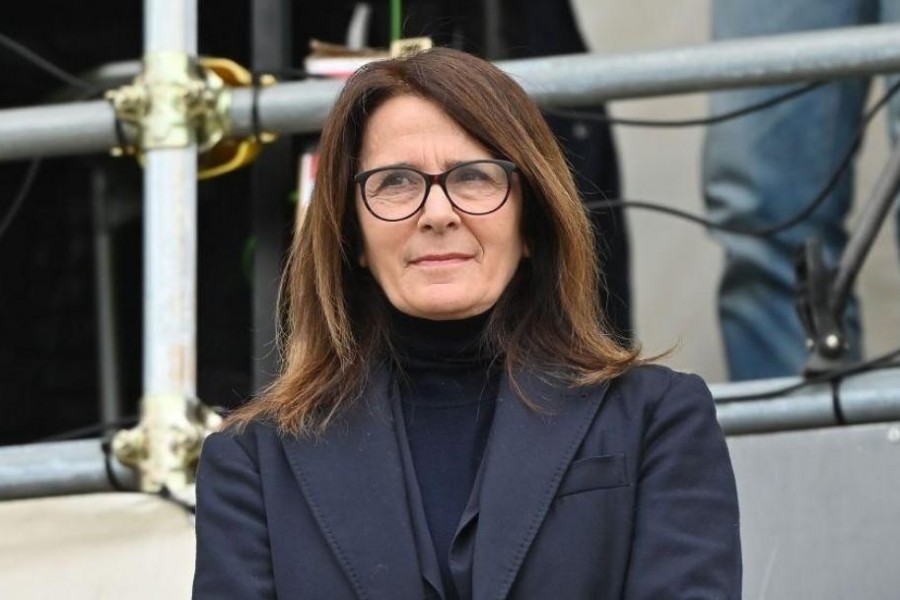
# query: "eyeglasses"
x,y
476,187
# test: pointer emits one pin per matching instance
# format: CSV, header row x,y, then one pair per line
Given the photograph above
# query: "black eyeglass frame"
x,y
441,180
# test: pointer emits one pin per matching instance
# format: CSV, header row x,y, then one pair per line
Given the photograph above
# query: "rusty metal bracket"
x,y
174,103
177,101
165,446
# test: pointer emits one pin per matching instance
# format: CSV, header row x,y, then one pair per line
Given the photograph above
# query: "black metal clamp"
x,y
823,291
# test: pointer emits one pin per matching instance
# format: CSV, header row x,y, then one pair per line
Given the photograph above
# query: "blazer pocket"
x,y
594,472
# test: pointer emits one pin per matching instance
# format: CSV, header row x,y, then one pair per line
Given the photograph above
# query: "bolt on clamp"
x,y
178,101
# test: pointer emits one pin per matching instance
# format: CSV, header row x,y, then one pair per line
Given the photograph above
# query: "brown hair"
x,y
336,328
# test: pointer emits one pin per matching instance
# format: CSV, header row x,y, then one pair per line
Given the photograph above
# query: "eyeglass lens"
x,y
476,188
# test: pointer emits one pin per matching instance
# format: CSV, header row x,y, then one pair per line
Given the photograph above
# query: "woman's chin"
x,y
445,308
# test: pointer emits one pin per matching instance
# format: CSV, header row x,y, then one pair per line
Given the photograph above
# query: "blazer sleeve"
x,y
233,557
686,541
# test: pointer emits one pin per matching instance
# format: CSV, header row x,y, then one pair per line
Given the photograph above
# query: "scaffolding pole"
x,y
60,468
872,397
167,439
170,193
170,231
574,80
79,467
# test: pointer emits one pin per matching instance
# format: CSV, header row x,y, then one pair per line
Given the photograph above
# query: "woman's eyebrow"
x,y
447,165
395,165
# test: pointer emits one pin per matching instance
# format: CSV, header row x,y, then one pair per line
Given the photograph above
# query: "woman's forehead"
x,y
417,132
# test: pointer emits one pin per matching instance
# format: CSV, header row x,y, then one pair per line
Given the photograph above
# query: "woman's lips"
x,y
440,260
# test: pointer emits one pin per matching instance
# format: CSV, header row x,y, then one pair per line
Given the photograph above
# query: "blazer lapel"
x,y
526,457
353,480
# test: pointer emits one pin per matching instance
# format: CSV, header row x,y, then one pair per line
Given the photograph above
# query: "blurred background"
x,y
49,262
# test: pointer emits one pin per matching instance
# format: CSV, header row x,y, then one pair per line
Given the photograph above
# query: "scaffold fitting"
x,y
173,103
177,101
165,446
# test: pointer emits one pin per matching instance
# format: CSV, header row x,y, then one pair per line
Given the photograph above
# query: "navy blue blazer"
x,y
620,490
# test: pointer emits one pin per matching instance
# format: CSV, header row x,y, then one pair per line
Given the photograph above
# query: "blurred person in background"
x,y
763,168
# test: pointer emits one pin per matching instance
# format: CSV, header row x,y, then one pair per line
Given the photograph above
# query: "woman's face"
x,y
439,263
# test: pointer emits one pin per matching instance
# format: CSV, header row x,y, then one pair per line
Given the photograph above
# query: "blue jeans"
x,y
760,169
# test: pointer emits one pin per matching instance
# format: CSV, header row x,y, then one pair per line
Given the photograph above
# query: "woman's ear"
x,y
362,260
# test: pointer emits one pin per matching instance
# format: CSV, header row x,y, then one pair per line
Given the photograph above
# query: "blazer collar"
x,y
526,457
353,481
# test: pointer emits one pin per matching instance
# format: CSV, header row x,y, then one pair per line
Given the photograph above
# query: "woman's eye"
x,y
397,179
471,175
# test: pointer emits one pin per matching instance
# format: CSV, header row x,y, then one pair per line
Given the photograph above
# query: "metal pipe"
x,y
272,179
867,398
79,467
170,25
883,197
59,468
587,79
573,80
170,267
57,130
105,298
104,77
170,227
584,80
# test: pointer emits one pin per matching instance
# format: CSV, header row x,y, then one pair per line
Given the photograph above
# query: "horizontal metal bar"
x,y
294,107
57,130
573,80
59,468
587,79
867,398
582,80
104,77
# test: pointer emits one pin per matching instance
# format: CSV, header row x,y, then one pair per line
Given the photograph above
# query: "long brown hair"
x,y
335,328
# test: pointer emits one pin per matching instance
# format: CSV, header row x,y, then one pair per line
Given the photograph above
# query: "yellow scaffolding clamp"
x,y
177,101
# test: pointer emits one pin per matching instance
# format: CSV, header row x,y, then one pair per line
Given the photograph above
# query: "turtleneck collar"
x,y
454,341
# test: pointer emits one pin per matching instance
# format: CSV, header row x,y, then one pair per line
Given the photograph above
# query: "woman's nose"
x,y
438,212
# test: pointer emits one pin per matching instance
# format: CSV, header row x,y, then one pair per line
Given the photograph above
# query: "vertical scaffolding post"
x,y
110,405
273,178
170,223
167,100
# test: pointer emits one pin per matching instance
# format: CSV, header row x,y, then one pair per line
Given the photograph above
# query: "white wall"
x,y
676,265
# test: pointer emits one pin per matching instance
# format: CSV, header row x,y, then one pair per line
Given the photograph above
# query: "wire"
x,y
19,200
800,216
166,494
45,65
88,430
673,123
879,362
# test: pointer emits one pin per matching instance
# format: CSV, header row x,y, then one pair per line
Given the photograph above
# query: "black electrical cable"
x,y
108,459
674,123
45,65
166,494
879,362
89,430
254,107
19,199
770,230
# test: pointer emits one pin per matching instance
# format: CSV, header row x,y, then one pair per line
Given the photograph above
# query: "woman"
x,y
451,422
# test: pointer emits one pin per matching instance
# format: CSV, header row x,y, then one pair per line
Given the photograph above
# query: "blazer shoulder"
x,y
654,384
248,438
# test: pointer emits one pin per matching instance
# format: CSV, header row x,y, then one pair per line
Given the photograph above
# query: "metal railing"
x,y
298,107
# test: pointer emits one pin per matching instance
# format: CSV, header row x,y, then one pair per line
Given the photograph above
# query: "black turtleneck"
x,y
448,388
